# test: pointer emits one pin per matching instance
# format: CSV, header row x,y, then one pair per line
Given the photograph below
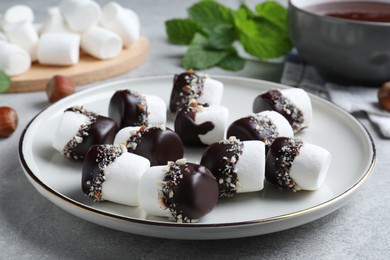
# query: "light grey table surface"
x,y
31,227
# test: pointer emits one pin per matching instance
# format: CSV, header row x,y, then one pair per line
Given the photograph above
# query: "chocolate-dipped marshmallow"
x,y
130,108
156,143
79,129
201,125
293,164
294,104
111,173
264,126
181,191
191,85
237,166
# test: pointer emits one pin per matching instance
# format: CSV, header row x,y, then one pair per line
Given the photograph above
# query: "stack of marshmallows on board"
x,y
101,32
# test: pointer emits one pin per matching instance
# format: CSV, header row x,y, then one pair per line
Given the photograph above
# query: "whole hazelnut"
x,y
59,87
8,121
384,96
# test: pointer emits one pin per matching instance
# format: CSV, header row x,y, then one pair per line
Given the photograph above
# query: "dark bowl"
x,y
342,50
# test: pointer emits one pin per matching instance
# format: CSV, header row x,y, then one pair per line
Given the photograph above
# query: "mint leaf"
x,y
232,61
260,37
209,14
5,81
273,12
181,31
221,36
199,57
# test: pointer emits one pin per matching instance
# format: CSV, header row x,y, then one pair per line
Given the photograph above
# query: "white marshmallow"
x,y
122,21
150,198
60,49
124,134
218,115
310,167
18,13
123,179
301,100
80,15
3,37
212,92
251,167
68,127
13,59
282,125
101,43
157,110
24,35
54,22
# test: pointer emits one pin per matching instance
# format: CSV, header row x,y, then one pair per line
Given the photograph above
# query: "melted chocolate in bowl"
x,y
359,11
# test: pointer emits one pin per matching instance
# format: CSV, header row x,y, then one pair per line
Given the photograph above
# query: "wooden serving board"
x,y
87,70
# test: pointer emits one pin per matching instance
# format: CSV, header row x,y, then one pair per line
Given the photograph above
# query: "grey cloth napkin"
x,y
353,99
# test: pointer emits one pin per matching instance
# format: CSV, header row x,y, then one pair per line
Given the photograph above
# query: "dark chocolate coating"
x,y
179,94
212,159
102,131
245,130
159,146
280,158
90,170
196,194
274,153
126,110
186,128
270,100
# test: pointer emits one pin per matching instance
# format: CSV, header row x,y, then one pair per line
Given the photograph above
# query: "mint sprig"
x,y
5,81
211,29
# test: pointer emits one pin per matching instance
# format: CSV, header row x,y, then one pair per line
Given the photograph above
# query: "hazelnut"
x,y
59,87
8,121
384,96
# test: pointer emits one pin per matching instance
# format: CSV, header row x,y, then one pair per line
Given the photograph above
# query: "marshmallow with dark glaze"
x,y
237,166
199,125
79,129
293,103
264,126
130,108
191,85
181,191
156,143
111,173
296,165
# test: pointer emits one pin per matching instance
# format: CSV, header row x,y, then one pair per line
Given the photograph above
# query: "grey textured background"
x,y
33,228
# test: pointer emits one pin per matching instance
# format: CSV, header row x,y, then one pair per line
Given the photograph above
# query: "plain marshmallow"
x,y
212,92
13,59
3,37
150,199
61,49
122,21
80,15
123,178
301,100
280,122
218,115
157,110
54,22
24,35
310,167
101,43
251,167
18,13
68,127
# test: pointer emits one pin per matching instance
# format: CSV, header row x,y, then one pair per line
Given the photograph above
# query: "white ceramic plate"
x,y
270,210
